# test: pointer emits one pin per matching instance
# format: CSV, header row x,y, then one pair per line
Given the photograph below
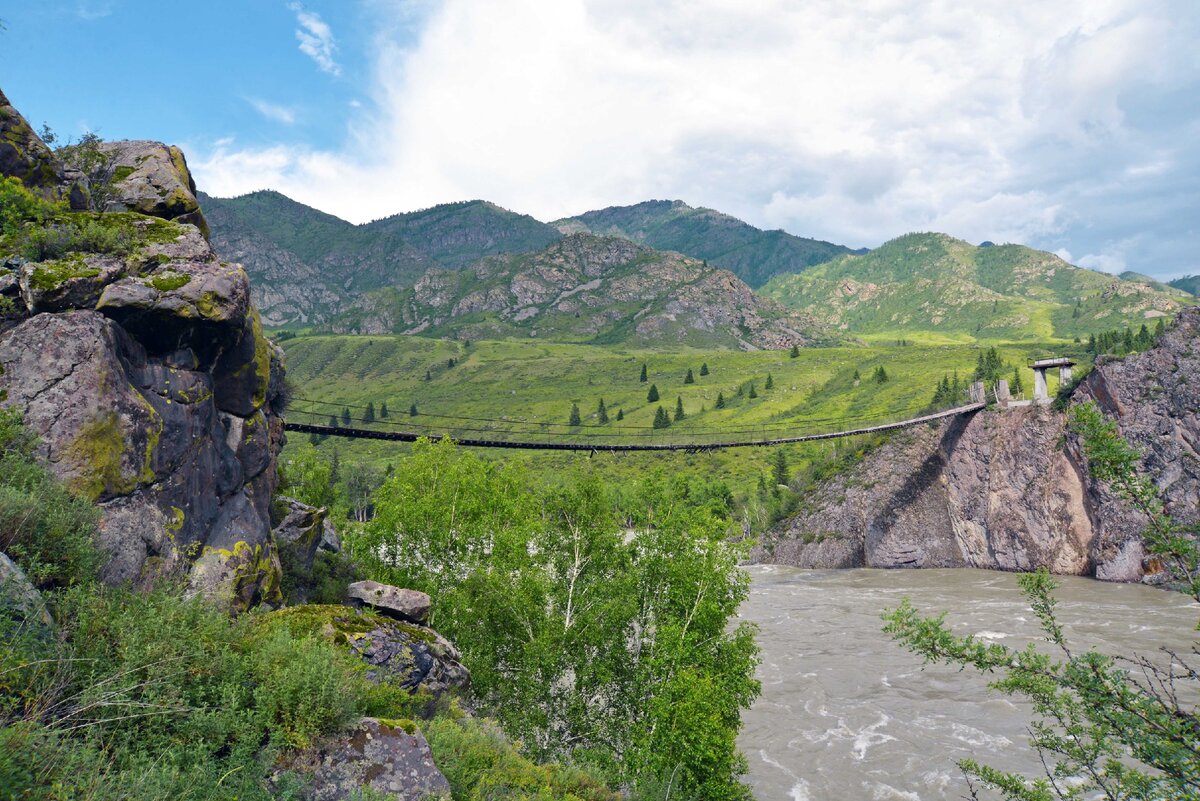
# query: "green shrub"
x,y
46,529
19,206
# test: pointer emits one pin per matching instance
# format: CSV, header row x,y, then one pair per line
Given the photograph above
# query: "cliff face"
x,y
144,370
1009,489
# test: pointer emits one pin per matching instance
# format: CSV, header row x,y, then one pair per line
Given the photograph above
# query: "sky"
x,y
1071,126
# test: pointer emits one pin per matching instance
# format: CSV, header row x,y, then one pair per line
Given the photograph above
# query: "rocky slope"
x,y
138,358
1009,489
306,266
750,253
937,284
585,288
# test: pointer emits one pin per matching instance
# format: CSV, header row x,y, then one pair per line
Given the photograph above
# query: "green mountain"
x,y
749,253
585,288
933,284
1189,284
306,266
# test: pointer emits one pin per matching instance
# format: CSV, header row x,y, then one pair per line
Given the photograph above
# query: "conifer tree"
x,y
741,390
333,422
575,419
602,413
1158,330
412,410
1127,340
720,404
704,369
689,378
345,416
880,376
428,376
383,411
1017,388
679,415
652,395
642,378
661,418
857,376
794,353
620,414
770,382
780,468
369,414
753,392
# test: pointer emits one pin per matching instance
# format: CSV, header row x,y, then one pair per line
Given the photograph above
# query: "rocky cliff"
x,y
587,288
1010,489
136,355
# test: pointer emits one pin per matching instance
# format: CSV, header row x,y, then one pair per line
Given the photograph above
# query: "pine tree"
x,y
689,378
661,418
450,362
412,410
1127,340
315,438
794,353
753,393
720,404
1143,338
880,376
1017,389
770,382
333,422
1158,330
335,466
857,376
575,419
780,468
620,414
642,378
1091,345
679,415
741,391
652,395
383,411
428,376
704,369
346,416
369,414
602,413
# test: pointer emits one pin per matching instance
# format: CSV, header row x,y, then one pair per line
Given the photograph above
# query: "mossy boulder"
x,y
302,529
24,155
153,178
75,281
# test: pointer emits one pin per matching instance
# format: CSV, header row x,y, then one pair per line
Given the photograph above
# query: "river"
x,y
846,713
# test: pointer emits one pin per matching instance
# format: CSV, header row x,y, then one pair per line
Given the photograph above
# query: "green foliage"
x,y
552,606
383,411
652,395
753,393
20,207
794,353
481,764
97,168
661,418
770,382
45,528
575,419
720,404
689,378
602,413
369,414
679,413
642,377
780,468
704,369
880,376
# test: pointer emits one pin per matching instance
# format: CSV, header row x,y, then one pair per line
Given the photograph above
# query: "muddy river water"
x,y
846,713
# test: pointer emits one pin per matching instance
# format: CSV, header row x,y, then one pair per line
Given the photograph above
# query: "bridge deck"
x,y
405,436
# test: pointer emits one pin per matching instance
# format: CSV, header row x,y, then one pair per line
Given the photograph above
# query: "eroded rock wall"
x,y
147,377
1009,489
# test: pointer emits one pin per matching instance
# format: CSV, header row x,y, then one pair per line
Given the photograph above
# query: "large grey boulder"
x,y
413,657
304,529
153,179
396,602
389,757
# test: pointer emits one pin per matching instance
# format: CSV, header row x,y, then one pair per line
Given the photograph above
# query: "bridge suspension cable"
x,y
406,434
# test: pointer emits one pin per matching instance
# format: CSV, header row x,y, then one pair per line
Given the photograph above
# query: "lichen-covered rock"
x,y
413,657
304,529
23,154
73,282
153,179
404,604
390,757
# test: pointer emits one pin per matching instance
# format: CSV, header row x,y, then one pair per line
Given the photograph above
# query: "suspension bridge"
x,y
488,432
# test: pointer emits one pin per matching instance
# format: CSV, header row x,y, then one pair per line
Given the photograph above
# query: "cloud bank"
x,y
1069,126
316,39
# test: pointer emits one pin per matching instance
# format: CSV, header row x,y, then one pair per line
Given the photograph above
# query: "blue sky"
x,y
1070,126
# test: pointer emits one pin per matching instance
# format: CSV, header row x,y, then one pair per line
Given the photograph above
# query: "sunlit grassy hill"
x,y
511,388
933,286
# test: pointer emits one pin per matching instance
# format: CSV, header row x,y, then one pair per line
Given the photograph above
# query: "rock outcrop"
x,y
1010,489
20,601
396,602
390,757
144,370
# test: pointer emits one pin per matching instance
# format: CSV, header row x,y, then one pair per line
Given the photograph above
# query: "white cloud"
x,y
273,111
1001,120
89,11
316,39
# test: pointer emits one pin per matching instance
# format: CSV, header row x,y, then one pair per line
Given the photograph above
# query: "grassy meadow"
x,y
525,391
